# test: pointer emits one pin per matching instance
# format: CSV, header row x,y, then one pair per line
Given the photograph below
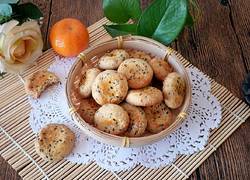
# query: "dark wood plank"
x,y
231,160
240,20
195,176
7,172
217,45
213,46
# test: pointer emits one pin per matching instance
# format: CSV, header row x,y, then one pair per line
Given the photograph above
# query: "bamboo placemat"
x,y
17,137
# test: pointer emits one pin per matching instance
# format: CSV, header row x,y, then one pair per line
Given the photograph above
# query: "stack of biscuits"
x,y
119,95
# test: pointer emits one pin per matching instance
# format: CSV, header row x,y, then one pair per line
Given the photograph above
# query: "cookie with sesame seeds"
x,y
111,118
161,68
133,53
137,71
89,76
137,120
147,96
39,82
109,87
113,59
87,109
54,142
174,88
159,117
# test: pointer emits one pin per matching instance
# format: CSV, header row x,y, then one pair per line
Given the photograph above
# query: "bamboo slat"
x,y
14,114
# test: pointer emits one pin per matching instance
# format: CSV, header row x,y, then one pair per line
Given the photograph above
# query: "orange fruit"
x,y
68,37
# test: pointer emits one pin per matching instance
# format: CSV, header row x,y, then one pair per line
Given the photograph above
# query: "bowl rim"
x,y
154,137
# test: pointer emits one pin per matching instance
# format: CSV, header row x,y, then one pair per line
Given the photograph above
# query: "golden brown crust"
x,y
87,81
109,87
39,81
161,68
139,54
174,88
113,59
159,117
87,109
138,121
54,142
111,118
137,71
147,96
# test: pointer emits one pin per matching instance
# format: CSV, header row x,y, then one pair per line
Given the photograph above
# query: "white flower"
x,y
20,45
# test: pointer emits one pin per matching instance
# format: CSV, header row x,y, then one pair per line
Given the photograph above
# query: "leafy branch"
x,y
162,20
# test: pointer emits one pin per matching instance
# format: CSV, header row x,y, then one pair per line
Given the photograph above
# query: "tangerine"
x,y
68,37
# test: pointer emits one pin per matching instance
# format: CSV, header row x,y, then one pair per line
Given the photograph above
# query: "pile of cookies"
x,y
130,93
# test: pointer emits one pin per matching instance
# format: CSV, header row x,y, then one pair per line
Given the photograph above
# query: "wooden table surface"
x,y
218,44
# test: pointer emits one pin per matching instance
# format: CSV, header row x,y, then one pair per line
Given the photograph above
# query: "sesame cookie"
x,y
137,71
138,121
87,109
113,59
87,81
109,87
111,118
54,142
174,88
159,117
38,82
139,55
147,96
161,68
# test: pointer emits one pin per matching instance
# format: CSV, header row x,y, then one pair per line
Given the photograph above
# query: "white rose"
x,y
20,45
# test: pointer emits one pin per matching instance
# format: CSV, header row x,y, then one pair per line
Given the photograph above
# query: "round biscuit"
x,y
87,109
111,118
159,117
147,96
161,68
138,121
133,53
174,88
54,142
113,59
109,87
137,71
87,81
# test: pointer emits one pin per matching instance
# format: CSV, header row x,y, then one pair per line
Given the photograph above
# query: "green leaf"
x,y
8,1
120,11
4,19
189,20
121,29
5,10
27,10
163,20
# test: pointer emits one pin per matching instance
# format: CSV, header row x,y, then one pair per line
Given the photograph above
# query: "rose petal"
x,y
12,39
7,27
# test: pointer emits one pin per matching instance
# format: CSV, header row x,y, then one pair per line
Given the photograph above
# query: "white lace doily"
x,y
204,115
